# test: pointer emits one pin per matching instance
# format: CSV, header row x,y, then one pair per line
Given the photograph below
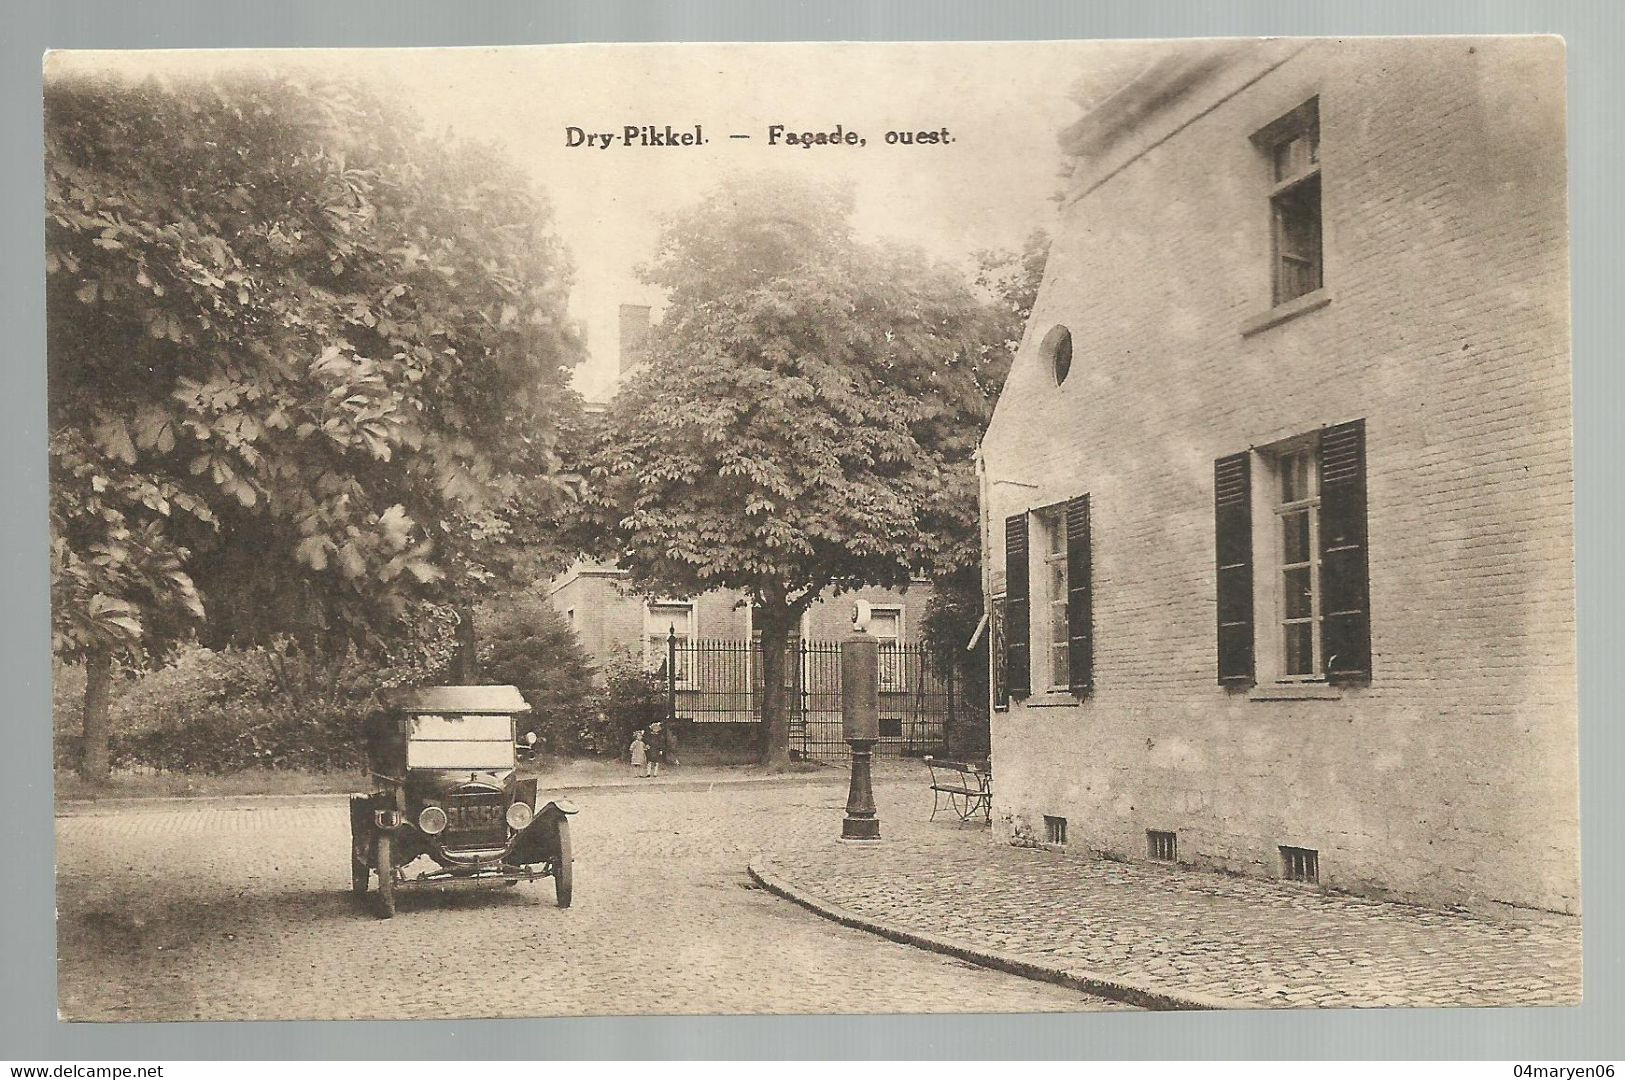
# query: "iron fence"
x,y
717,681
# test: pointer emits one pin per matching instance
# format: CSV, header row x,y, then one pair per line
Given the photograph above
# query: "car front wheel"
x,y
564,865
384,862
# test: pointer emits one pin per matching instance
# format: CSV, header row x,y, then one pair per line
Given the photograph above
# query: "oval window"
x,y
1058,347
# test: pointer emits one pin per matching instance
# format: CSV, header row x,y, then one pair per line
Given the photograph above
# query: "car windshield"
x,y
460,742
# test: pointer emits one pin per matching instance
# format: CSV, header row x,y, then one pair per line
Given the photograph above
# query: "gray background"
x,y
28,1028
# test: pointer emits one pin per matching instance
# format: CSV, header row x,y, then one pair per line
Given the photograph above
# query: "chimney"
x,y
634,335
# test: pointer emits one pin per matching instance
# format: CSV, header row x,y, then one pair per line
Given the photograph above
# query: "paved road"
x,y
204,911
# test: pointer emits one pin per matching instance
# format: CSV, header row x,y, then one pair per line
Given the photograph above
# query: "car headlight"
x,y
519,815
432,820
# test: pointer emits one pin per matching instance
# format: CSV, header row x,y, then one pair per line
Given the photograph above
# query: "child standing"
x,y
656,749
640,754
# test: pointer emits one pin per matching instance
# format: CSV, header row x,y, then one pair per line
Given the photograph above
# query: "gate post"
x,y
796,699
671,675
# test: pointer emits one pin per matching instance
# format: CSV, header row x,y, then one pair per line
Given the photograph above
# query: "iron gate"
x,y
718,681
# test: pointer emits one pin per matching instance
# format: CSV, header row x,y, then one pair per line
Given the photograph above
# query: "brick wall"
x,y
608,622
1452,777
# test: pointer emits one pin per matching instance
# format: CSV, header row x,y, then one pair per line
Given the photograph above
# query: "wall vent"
x,y
1163,846
1055,829
1300,864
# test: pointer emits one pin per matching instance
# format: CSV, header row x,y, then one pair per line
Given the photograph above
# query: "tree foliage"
x,y
288,333
525,642
1009,281
306,364
806,419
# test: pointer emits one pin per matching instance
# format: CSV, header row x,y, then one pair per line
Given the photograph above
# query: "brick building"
x,y
1277,501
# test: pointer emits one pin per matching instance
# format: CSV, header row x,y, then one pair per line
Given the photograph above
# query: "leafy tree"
x,y
805,422
306,367
1009,281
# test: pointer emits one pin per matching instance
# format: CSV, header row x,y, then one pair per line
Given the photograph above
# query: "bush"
x,y
272,707
223,711
249,734
210,711
524,641
634,697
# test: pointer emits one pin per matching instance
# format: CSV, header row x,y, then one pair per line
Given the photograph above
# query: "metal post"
x,y
671,674
796,702
860,716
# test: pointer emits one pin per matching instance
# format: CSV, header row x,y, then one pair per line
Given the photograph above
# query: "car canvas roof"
x,y
456,699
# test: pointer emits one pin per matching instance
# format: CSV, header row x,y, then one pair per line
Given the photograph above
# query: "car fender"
x,y
539,841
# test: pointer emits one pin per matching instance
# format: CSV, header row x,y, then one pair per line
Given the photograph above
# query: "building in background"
x,y
1278,510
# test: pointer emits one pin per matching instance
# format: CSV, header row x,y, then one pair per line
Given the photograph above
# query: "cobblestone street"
x,y
224,909
241,910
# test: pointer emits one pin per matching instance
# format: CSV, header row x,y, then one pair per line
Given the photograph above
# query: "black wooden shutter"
x,y
1080,638
1017,607
996,654
1345,581
1233,545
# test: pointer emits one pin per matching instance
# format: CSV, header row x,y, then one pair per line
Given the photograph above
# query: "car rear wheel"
x,y
386,876
564,865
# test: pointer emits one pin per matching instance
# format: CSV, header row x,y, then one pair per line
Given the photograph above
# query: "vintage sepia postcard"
x,y
830,528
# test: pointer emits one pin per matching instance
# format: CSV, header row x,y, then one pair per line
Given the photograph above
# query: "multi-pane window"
x,y
666,619
886,624
1297,512
1292,146
1047,619
1053,526
1313,611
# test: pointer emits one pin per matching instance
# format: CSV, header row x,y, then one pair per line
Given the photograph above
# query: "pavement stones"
x,y
240,909
1166,937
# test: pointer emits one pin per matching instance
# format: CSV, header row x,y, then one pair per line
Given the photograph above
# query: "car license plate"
x,y
468,818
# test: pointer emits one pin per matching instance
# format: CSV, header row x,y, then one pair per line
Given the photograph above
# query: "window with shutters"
x,y
1310,613
1047,625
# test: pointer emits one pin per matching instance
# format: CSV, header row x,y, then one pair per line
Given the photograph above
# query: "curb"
x,y
91,807
1130,992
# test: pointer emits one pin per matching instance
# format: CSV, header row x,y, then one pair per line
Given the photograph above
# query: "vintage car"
x,y
442,761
